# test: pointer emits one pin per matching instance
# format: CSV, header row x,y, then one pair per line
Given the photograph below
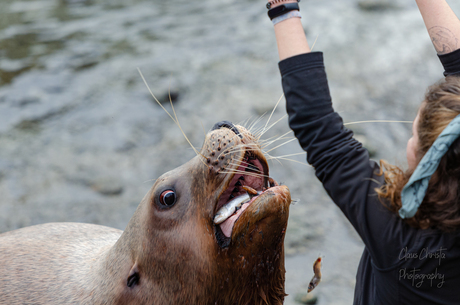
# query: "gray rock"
x,y
107,186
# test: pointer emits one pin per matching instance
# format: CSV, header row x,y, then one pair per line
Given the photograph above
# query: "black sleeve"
x,y
340,162
451,62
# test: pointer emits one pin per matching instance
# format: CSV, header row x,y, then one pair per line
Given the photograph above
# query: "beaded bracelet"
x,y
291,14
270,3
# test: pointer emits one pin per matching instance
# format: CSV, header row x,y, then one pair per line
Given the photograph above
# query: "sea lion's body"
x,y
171,252
53,263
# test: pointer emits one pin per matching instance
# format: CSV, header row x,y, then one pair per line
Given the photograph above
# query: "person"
x,y
408,220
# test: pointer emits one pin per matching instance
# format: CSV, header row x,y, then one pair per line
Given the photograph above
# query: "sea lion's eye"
x,y
168,198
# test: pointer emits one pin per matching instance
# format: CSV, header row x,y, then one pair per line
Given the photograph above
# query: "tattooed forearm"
x,y
443,40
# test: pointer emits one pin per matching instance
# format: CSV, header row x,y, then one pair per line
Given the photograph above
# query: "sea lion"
x,y
171,251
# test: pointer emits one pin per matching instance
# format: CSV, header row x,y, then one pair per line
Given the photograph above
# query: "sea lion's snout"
x,y
229,125
236,163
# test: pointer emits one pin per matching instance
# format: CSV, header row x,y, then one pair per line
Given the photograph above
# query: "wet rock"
x,y
9,69
301,235
306,298
377,5
127,146
107,187
29,125
168,97
74,2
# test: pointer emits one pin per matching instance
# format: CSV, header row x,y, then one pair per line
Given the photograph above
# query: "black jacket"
x,y
400,264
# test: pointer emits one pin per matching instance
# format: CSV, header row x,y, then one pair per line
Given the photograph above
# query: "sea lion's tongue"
x,y
227,226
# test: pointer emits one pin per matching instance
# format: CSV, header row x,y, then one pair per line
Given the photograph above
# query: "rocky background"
x,y
82,140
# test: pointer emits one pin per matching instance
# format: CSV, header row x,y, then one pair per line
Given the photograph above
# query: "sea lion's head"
x,y
177,253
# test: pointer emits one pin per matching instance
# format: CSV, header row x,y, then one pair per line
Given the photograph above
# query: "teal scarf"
x,y
414,191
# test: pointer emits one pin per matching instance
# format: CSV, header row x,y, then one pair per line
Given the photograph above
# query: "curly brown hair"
x,y
440,208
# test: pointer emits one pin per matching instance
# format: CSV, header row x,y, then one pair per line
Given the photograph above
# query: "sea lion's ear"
x,y
133,276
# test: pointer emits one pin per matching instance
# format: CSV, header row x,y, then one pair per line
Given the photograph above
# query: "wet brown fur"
x,y
174,250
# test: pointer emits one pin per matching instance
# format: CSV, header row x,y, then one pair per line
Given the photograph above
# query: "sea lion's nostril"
x,y
228,125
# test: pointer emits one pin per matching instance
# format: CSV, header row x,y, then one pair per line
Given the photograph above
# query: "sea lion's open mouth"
x,y
249,182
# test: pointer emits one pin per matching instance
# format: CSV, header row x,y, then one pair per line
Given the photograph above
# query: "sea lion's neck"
x,y
114,265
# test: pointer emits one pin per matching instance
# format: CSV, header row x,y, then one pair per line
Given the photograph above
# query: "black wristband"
x,y
282,9
270,3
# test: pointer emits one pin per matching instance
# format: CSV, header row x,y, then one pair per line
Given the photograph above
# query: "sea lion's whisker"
x,y
242,162
255,131
253,169
150,180
273,124
265,145
287,159
250,123
236,164
180,127
235,170
259,129
267,129
311,49
270,141
269,157
376,121
259,132
273,111
232,149
176,120
243,147
148,88
281,145
274,137
242,172
282,137
244,123
255,123
290,155
246,174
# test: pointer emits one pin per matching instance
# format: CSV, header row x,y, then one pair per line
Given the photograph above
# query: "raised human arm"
x,y
290,37
340,162
442,24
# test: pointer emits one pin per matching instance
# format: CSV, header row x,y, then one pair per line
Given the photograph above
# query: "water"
x,y
82,140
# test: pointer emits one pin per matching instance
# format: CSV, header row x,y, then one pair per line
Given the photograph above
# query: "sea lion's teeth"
x,y
227,210
251,192
238,183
